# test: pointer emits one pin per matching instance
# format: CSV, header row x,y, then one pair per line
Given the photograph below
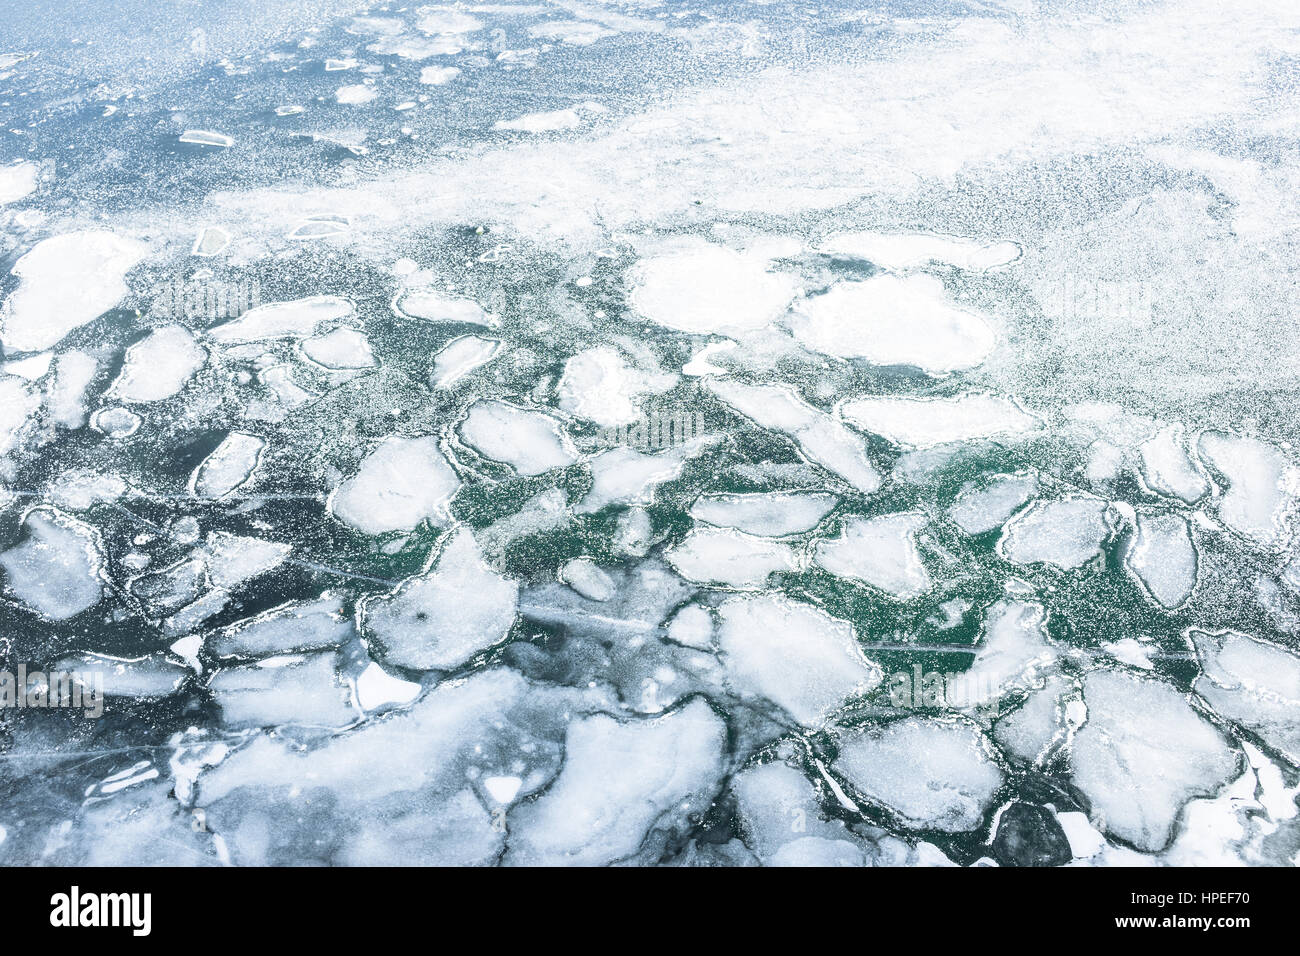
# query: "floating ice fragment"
x,y
700,364
692,626
911,250
18,402
1253,682
116,422
1163,557
924,422
377,689
31,369
17,180
65,282
1067,533
889,320
401,483
795,655
230,466
321,227
1168,469
1014,649
210,241
443,22
880,551
138,678
982,508
438,75
572,32
549,122
278,691
1260,481
443,617
234,559
708,288
1041,720
341,348
158,366
66,397
290,629
56,570
434,306
81,489
461,356
935,773
771,514
282,320
204,137
528,440
729,557
599,385
355,95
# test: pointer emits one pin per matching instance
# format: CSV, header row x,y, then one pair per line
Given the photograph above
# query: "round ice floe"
x,y
341,348
65,282
158,366
528,440
586,577
880,551
1067,533
771,514
793,654
924,422
936,774
401,483
709,288
889,320
434,306
56,570
1142,754
115,422
692,626
442,618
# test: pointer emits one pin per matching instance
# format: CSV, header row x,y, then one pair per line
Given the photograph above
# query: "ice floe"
x,y
1169,470
528,440
728,557
986,506
771,514
1261,484
158,366
430,305
913,250
1163,557
340,349
1252,682
923,422
400,484
598,384
282,320
881,551
230,466
1066,532
57,569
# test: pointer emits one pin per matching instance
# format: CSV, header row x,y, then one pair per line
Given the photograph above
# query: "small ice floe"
x,y
204,137
984,506
1260,485
893,320
401,483
728,557
135,678
289,629
1168,469
319,227
340,349
925,422
18,180
57,569
229,467
708,288
297,318
438,75
443,617
1252,682
432,305
599,385
880,551
795,655
298,690
528,440
65,398
32,368
1068,533
700,364
933,773
626,476
692,626
233,559
116,422
210,241
572,32
1143,753
437,21
773,514
586,577
618,780
279,379
1049,712
550,122
338,64
914,250
158,366
288,110
81,489
461,356
65,282
377,690
1013,650
356,94
18,403
1163,558
823,439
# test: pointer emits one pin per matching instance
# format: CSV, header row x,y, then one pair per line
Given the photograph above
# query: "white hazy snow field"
x,y
650,433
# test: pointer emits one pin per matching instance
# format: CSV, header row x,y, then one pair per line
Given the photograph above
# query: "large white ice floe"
x,y
823,439
934,773
229,467
796,655
528,440
881,551
983,506
1168,469
158,366
64,282
1163,557
599,385
914,250
771,514
443,617
57,569
889,320
707,288
620,781
924,422
1261,485
302,690
1066,532
401,483
294,319
1252,682
1142,754
729,557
